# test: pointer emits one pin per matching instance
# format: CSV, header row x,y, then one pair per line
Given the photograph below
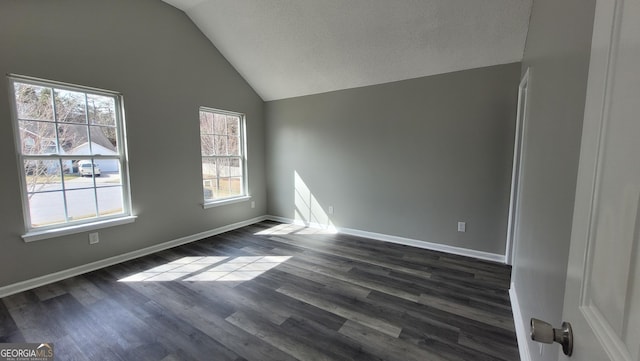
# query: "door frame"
x,y
518,166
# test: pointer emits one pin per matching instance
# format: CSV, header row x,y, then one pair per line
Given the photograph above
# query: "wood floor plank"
x,y
389,348
275,292
468,312
280,340
489,346
74,319
277,315
336,345
217,329
335,284
35,323
190,339
348,313
83,291
272,299
452,351
20,300
429,314
68,347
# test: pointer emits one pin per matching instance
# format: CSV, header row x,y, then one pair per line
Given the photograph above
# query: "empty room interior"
x,y
300,180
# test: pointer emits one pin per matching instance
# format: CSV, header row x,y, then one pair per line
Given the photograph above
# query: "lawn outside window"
x,y
222,140
71,151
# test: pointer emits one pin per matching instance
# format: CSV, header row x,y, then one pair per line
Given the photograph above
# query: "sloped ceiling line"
x,y
289,48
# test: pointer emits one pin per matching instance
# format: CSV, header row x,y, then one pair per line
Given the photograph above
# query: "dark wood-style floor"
x,y
274,292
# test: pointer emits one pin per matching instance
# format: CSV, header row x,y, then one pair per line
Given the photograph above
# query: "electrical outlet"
x,y
94,238
330,210
462,226
253,204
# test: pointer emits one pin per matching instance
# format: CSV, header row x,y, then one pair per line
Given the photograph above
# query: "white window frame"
x,y
244,196
71,226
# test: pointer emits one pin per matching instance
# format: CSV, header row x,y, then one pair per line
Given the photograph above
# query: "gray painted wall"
x,y
166,69
408,158
557,50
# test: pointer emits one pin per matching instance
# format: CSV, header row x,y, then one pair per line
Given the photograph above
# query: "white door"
x,y
602,298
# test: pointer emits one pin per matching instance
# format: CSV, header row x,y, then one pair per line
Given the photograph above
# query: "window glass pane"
x,y
70,106
222,167
207,145
209,168
81,204
42,175
110,201
109,173
235,187
208,185
233,126
73,139
233,145
102,110
46,208
33,102
220,145
37,137
216,189
209,177
206,122
235,167
104,140
222,188
73,179
219,124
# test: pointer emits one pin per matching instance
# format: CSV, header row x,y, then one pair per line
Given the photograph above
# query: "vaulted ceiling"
x,y
288,48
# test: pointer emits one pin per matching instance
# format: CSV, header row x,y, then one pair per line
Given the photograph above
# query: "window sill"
x,y
64,231
224,202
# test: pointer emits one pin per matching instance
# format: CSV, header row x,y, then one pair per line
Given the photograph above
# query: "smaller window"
x,y
223,155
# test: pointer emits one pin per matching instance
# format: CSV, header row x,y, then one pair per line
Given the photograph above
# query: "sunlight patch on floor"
x,y
295,229
242,268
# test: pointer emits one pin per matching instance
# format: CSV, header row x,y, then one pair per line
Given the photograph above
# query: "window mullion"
x,y
95,186
55,120
86,118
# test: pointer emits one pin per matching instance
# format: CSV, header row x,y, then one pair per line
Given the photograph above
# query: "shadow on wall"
x,y
308,211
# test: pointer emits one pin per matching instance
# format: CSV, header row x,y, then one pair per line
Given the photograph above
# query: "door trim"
x,y
522,330
517,166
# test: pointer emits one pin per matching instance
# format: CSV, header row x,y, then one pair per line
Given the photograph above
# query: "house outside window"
x,y
70,144
222,139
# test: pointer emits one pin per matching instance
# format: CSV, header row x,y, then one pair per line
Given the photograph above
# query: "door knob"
x,y
543,332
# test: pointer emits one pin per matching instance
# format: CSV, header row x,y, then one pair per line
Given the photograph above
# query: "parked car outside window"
x,y
85,169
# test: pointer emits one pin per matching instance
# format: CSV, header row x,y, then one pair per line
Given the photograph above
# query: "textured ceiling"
x,y
288,48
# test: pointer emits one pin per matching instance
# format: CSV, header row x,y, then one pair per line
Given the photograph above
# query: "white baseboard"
x,y
398,240
521,329
71,272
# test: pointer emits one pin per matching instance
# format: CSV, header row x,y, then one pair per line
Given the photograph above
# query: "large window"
x,y
71,153
223,155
